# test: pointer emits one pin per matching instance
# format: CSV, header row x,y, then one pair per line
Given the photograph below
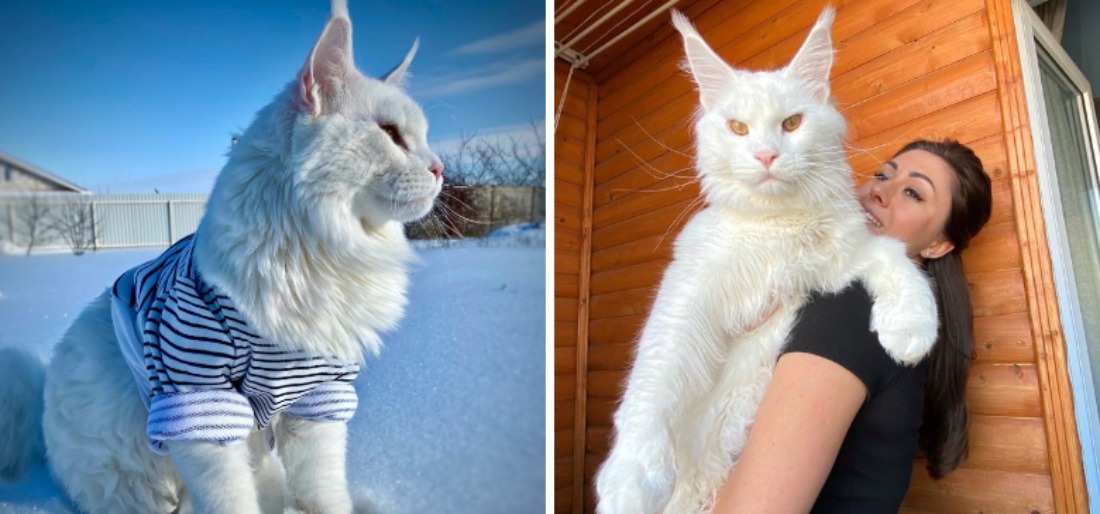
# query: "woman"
x,y
840,423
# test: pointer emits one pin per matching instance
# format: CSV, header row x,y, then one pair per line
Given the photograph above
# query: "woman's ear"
x,y
937,249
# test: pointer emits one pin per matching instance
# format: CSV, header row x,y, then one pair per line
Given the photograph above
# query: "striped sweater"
x,y
203,372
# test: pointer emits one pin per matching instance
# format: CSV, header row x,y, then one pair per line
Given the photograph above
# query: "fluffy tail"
x,y
21,443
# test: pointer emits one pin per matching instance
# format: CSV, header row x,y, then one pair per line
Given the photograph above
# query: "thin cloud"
x,y
531,35
493,74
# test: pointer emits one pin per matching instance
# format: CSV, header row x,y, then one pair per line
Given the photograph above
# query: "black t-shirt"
x,y
871,472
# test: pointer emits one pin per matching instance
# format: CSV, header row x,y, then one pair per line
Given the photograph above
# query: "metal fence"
x,y
158,220
117,221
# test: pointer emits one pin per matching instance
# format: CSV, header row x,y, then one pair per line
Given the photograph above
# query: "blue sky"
x,y
125,96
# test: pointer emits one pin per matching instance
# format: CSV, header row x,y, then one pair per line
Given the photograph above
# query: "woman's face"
x,y
909,199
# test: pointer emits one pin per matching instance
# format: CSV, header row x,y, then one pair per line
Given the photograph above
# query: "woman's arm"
x,y
806,411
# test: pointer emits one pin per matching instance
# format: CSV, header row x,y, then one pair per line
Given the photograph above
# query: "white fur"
x,y
22,441
304,232
768,237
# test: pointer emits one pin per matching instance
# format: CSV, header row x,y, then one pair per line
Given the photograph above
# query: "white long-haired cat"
x,y
781,221
258,321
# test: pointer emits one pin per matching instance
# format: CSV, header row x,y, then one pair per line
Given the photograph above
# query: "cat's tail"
x,y
21,444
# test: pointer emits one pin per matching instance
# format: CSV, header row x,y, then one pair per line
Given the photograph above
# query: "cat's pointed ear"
x,y
710,72
397,74
814,60
329,64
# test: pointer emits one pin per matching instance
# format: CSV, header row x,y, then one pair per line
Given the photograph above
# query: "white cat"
x,y
782,220
300,257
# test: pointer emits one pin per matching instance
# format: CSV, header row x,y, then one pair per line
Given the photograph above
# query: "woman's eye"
x,y
391,130
912,193
880,176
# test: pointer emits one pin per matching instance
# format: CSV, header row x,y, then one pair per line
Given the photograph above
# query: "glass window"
x,y
1077,190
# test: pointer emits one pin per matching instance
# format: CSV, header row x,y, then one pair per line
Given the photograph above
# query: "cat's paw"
x,y
630,483
905,319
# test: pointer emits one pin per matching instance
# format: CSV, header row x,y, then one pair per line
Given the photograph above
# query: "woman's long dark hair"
x,y
946,418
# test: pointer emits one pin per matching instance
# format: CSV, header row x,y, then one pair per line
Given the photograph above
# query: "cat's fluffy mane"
x,y
303,229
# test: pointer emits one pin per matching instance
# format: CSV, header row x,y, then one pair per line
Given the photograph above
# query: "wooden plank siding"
x,y
1067,477
904,69
573,152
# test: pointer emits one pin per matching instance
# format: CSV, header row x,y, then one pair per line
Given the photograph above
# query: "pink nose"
x,y
437,169
766,158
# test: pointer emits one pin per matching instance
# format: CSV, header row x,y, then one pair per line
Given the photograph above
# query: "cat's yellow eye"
x,y
792,123
739,128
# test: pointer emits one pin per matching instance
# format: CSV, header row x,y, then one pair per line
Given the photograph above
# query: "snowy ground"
x,y
452,414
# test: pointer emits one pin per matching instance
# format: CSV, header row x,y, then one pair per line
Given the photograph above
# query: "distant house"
x,y
19,176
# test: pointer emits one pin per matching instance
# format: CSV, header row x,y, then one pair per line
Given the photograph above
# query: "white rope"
x,y
580,26
643,21
572,43
564,94
560,14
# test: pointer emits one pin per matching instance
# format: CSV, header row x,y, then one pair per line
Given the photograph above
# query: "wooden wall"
x,y
573,151
904,69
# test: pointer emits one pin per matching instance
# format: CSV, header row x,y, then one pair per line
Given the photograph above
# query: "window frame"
x,y
1031,34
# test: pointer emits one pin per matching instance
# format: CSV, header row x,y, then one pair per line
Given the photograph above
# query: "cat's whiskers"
x,y
463,204
822,190
690,208
448,210
674,187
654,171
655,140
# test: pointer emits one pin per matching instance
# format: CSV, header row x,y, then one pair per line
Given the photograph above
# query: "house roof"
x,y
40,173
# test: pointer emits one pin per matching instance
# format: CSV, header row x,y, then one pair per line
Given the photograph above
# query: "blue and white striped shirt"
x,y
204,373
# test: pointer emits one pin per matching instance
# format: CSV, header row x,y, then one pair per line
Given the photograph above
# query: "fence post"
x,y
171,236
492,207
95,229
531,215
11,221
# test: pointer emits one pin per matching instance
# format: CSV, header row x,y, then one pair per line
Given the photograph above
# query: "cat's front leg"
x,y
637,476
630,480
904,312
639,473
313,454
218,477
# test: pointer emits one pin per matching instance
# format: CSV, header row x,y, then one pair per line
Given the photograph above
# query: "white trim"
x,y
1030,34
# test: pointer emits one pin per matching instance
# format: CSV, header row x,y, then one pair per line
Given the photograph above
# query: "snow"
x,y
452,413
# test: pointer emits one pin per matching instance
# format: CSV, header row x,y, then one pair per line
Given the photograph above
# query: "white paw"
x,y
629,482
906,320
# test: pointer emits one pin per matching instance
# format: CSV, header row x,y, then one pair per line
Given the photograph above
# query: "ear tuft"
x,y
340,9
710,72
814,60
397,75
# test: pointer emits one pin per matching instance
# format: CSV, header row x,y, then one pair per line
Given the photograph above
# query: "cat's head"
x,y
765,139
353,149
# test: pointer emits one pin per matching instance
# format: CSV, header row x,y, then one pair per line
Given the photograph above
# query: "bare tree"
x,y
76,223
470,203
457,164
510,160
524,162
35,218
